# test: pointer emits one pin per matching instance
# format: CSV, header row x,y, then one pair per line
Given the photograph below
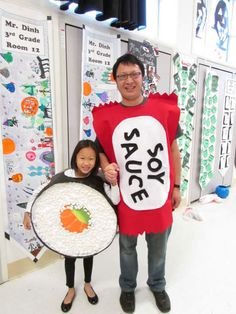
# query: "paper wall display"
x,y
227,125
213,22
209,128
26,120
185,71
148,54
201,18
99,54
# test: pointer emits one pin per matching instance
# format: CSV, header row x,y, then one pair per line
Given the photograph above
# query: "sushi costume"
x,y
74,216
138,138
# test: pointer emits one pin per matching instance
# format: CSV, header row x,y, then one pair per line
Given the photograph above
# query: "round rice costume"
x,y
138,139
73,217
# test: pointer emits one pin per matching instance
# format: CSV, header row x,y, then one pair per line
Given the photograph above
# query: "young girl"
x,y
84,168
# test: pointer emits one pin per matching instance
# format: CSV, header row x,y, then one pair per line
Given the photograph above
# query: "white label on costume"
x,y
141,152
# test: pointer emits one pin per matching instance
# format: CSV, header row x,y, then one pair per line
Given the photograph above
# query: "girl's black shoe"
x,y
65,307
92,300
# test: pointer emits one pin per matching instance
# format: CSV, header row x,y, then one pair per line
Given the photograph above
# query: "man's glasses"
x,y
133,75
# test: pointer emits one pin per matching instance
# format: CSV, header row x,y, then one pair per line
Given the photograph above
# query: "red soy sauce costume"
x,y
139,139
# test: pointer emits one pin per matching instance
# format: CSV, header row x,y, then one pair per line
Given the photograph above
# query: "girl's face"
x,y
85,160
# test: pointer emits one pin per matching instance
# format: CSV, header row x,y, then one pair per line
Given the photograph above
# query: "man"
x,y
138,136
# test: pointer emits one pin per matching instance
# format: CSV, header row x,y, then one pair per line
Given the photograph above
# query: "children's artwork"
x,y
201,18
209,128
147,54
217,37
185,71
213,20
26,120
99,54
227,126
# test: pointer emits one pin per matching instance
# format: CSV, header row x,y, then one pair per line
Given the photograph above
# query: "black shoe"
x,y
162,301
65,307
92,300
127,301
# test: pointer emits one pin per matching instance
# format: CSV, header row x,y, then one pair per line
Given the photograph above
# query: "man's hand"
x,y
176,198
111,173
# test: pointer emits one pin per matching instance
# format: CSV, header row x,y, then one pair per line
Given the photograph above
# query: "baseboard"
x,y
26,265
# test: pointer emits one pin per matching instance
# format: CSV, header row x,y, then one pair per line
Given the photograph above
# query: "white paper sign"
x,y
99,51
20,36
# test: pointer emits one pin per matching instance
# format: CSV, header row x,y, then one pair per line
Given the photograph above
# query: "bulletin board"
x,y
88,83
27,123
185,82
214,139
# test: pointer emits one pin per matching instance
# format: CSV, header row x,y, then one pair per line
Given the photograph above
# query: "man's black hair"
x,y
127,58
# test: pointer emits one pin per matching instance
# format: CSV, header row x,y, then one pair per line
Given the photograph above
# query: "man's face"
x,y
131,86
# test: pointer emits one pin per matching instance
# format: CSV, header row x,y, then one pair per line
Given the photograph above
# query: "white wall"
x,y
168,18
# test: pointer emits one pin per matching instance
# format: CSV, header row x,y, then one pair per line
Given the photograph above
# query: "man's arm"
x,y
176,196
103,160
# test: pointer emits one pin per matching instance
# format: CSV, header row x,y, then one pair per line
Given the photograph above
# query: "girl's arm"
x,y
27,214
113,192
26,221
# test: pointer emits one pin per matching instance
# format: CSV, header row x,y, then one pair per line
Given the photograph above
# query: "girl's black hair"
x,y
126,59
83,144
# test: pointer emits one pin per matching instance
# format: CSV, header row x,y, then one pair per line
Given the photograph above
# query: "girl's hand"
x,y
111,173
26,221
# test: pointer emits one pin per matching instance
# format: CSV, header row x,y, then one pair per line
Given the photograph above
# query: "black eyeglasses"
x,y
133,75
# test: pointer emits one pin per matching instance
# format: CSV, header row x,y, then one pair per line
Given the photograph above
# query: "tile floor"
x,y
200,272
